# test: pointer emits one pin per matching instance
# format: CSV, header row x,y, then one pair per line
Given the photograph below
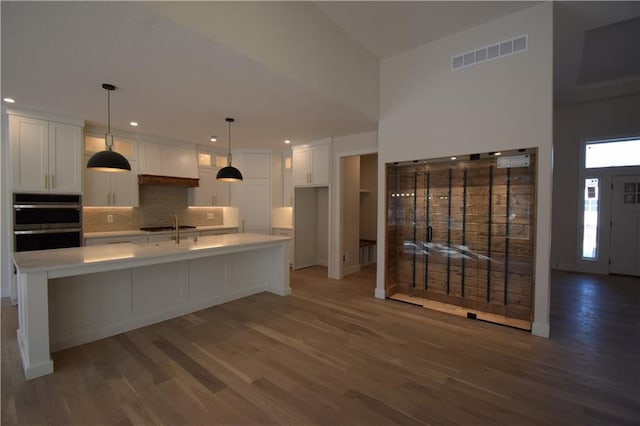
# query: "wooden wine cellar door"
x,y
460,237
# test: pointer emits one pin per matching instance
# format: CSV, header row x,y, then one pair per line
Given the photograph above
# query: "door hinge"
x,y
611,186
610,224
609,261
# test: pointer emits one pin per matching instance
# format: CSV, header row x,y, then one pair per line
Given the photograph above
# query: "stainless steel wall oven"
x,y
46,221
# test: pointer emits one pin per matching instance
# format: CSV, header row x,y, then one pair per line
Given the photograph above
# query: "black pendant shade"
x,y
108,160
229,173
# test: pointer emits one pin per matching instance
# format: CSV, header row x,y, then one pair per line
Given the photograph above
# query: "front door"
x,y
625,226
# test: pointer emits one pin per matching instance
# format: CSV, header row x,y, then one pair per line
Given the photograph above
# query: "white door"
x,y
220,191
256,214
124,187
97,187
204,194
29,153
301,166
320,158
625,225
65,167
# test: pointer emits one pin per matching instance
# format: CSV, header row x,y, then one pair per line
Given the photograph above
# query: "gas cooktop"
x,y
164,228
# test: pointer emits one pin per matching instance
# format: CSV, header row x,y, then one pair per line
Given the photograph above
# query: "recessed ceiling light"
x,y
213,138
9,100
287,141
497,153
134,123
453,158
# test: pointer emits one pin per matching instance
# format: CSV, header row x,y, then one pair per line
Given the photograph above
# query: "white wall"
x,y
429,111
573,125
6,225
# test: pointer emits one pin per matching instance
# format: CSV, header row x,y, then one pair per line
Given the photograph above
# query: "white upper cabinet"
x,y
105,189
287,180
311,164
168,160
126,147
45,155
210,191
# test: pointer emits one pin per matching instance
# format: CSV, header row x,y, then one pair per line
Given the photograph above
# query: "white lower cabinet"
x,y
134,239
208,232
170,236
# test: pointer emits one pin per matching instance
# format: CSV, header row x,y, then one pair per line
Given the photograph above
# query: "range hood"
x,y
168,181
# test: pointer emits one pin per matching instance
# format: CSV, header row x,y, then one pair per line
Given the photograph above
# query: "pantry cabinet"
x,y
252,197
311,164
103,189
45,155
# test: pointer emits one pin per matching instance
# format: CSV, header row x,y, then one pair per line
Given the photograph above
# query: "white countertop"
x,y
81,260
138,232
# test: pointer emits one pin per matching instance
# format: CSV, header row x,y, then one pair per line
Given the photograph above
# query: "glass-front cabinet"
x,y
460,235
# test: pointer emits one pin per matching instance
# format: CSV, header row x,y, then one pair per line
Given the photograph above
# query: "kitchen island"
x,y
72,296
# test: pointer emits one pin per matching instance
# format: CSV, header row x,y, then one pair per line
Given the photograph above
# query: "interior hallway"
x,y
331,353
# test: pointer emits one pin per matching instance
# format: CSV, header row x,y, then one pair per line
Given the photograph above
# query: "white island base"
x,y
68,297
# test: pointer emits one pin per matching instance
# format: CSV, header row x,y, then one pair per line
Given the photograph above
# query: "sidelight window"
x,y
590,222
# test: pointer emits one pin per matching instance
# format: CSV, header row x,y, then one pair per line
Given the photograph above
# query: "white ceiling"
x,y
180,83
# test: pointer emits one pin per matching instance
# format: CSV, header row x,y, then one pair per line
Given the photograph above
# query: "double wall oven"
x,y
46,221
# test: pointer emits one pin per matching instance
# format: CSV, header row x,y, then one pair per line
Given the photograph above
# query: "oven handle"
x,y
48,231
47,206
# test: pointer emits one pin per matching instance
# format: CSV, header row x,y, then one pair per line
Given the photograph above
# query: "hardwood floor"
x,y
332,354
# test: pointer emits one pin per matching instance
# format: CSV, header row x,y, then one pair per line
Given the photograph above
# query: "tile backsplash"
x,y
158,204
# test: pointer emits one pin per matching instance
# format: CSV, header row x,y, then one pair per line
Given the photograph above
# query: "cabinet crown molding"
x,y
45,116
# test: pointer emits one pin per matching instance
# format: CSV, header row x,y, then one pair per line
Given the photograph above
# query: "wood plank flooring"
x,y
332,354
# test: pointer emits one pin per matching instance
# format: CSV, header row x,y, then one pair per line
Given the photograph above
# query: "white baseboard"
x,y
380,294
540,329
351,270
565,267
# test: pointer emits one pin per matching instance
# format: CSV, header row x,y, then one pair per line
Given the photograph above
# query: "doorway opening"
x,y
358,212
609,232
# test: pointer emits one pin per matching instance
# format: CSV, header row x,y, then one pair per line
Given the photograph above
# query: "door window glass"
x,y
614,153
590,222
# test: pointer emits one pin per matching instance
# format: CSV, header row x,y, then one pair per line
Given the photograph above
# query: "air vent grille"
x,y
490,52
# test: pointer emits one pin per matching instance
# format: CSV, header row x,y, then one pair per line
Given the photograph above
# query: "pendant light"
x,y
108,160
229,173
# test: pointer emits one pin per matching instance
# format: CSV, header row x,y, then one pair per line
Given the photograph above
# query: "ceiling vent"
x,y
490,52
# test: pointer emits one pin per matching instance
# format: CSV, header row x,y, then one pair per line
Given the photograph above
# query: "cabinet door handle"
x,y
108,198
113,198
46,181
53,181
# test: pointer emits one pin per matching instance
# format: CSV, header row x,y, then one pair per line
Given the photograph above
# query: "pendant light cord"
x,y
229,153
108,138
108,111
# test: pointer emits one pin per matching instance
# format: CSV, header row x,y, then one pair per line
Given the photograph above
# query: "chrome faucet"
x,y
177,228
